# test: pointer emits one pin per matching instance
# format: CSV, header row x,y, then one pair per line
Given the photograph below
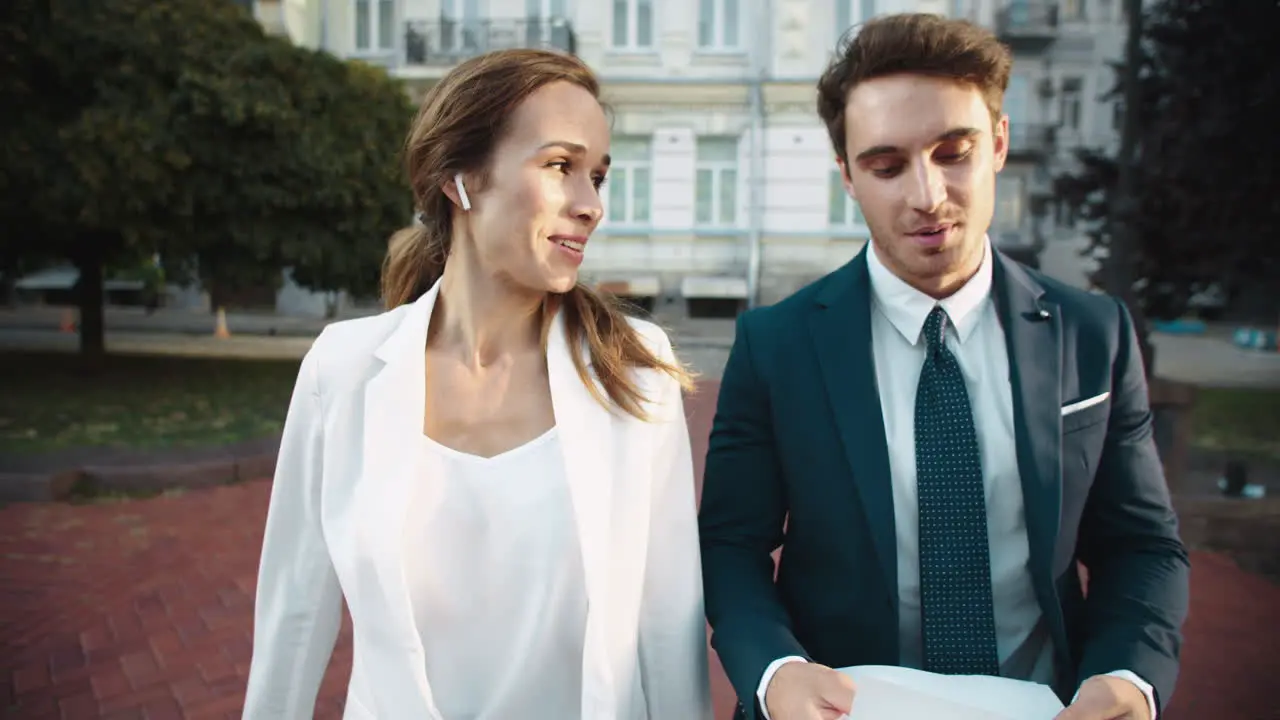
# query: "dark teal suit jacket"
x,y
798,440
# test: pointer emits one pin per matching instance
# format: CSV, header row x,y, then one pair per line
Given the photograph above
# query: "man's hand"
x,y
1104,697
808,691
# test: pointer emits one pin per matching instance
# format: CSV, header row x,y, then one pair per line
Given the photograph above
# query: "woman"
x,y
496,472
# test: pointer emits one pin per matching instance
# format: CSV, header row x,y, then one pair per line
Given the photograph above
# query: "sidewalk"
x,y
1212,361
705,356
177,321
145,609
192,322
153,343
1209,360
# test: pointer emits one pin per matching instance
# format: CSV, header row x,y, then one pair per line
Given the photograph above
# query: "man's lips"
x,y
932,229
931,237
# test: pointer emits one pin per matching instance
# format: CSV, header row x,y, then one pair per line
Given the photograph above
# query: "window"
x,y
842,211
718,24
375,25
629,180
1008,211
852,12
633,24
716,185
1017,104
545,9
542,17
1017,99
1071,107
462,26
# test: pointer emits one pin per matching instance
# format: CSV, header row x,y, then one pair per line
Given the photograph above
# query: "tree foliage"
x,y
180,127
1205,209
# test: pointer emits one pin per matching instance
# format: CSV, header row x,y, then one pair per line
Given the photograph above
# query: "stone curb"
x,y
55,485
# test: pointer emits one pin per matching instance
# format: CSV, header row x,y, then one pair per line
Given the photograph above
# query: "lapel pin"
x,y
1042,314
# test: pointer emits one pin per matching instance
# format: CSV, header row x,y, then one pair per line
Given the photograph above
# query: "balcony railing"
x,y
1026,140
1027,22
445,42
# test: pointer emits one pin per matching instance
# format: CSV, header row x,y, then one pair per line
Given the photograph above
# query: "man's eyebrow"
x,y
960,133
575,148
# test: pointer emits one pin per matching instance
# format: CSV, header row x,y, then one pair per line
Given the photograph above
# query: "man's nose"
x,y
928,188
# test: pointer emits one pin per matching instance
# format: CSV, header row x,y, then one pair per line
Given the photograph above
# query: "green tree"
x,y
364,191
1207,154
179,127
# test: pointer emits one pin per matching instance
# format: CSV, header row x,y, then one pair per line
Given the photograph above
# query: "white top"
x,y
497,586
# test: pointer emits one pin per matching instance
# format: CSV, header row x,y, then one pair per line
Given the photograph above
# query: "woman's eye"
x,y
566,167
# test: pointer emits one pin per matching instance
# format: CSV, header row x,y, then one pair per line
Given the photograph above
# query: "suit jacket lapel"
x,y
841,328
585,428
392,470
1033,328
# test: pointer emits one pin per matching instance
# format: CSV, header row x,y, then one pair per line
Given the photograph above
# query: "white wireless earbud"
x,y
462,192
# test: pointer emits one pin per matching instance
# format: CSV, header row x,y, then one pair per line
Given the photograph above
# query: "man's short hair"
x,y
918,44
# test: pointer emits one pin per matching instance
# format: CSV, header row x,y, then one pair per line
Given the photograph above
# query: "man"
x,y
934,434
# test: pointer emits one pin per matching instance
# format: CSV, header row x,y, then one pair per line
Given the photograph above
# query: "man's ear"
x,y
1000,143
844,177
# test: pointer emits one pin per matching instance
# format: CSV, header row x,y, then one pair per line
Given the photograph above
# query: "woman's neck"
x,y
480,318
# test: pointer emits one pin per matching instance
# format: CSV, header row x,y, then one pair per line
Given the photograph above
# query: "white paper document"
x,y
894,693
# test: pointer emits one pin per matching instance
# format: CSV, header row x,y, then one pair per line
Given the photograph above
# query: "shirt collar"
x,y
907,308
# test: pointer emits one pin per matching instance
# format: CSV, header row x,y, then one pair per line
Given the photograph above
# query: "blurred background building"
x,y
724,185
724,190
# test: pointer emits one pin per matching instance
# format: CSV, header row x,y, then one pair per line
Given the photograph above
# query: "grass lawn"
x,y
49,401
1239,420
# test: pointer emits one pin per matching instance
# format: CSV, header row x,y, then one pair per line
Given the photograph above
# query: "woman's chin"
x,y
562,282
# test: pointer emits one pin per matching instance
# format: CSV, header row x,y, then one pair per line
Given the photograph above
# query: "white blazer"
x,y
338,510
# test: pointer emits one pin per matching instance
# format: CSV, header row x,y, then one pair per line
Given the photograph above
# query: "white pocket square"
x,y
1083,404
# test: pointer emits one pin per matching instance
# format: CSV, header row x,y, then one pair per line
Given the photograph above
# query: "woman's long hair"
x,y
460,121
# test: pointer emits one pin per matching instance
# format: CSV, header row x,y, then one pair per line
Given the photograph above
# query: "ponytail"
x,y
414,262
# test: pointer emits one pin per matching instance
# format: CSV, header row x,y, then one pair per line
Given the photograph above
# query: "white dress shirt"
x,y
495,577
976,338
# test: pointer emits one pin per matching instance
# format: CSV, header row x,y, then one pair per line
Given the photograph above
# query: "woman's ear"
x,y
457,192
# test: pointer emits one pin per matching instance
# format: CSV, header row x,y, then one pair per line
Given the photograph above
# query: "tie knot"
x,y
935,328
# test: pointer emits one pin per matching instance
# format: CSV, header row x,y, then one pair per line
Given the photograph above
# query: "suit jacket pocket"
x,y
1086,417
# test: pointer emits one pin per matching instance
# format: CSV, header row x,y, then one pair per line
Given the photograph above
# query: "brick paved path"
x,y
143,609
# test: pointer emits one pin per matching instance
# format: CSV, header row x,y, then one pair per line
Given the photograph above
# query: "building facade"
x,y
724,183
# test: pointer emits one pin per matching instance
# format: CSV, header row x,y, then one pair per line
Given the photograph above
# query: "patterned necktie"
x,y
955,566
